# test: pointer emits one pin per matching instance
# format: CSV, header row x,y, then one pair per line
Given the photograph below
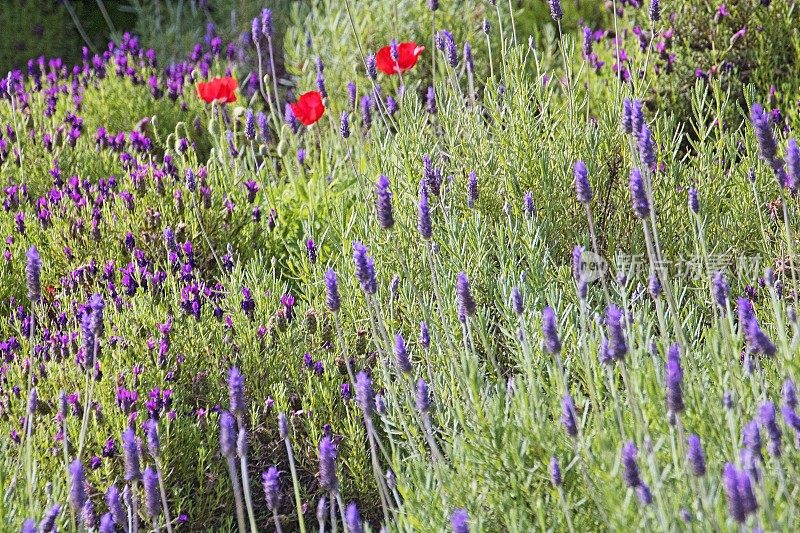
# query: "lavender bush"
x,y
516,295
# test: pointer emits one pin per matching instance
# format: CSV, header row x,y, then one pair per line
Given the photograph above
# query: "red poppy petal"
x,y
384,61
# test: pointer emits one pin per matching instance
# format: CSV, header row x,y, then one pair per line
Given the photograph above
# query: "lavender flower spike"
x,y
33,274
130,448
365,394
466,303
766,140
641,206
236,391
630,472
695,455
327,464
152,497
673,379
401,354
227,435
459,521
655,10
568,418
555,9
555,472
424,214
353,519
332,299
364,269
383,202
552,344
766,415
423,396
720,290
617,344
77,486
272,487
583,189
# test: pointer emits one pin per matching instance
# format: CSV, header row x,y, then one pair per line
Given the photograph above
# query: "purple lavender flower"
x,y
424,335
654,11
365,395
107,524
466,303
423,397
48,522
637,117
627,115
641,206
555,472
77,486
449,48
227,435
249,125
311,251
332,299
115,505
766,415
516,301
763,131
364,268
793,161
459,521
630,470
430,101
552,344
757,340
372,69
424,214
789,393
745,489
87,517
617,345
283,426
644,494
673,379
401,354
555,9
694,202
327,464
751,438
468,61
654,286
695,455
583,189
266,22
236,391
130,449
647,151
588,41
353,519
472,190
720,290
33,274
344,128
153,440
272,487
568,416
28,526
383,202
152,497
528,206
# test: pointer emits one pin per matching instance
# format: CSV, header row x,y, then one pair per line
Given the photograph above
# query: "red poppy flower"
x,y
218,90
407,55
308,108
